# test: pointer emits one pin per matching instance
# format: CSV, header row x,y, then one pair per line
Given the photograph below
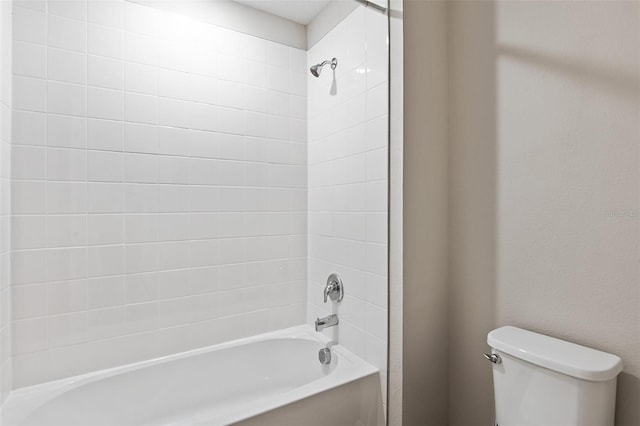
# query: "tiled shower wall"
x,y
348,148
5,199
159,187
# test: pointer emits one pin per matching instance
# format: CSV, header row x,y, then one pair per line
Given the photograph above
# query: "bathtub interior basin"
x,y
220,384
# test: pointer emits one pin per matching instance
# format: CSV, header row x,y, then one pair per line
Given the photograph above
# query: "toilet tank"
x,y
540,380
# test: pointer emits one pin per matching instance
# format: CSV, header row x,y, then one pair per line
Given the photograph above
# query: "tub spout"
x,y
328,321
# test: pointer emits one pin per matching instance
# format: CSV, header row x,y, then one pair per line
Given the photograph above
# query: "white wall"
x,y
545,190
348,155
159,186
5,198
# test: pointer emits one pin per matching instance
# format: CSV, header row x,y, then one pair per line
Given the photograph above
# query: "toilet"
x,y
543,381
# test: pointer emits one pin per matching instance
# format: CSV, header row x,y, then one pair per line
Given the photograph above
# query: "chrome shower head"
x,y
317,68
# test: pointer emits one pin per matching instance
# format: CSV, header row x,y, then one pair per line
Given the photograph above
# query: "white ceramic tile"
x,y
105,292
140,19
377,101
67,329
67,34
28,128
140,168
27,232
230,94
140,198
278,79
277,55
140,288
105,323
140,78
105,198
66,263
29,94
173,170
28,162
28,197
28,266
230,42
104,135
174,142
376,133
29,25
173,198
104,103
140,48
377,164
64,98
104,166
66,164
66,296
141,317
141,138
66,197
29,335
231,147
105,72
140,108
65,131
174,113
106,12
278,127
105,260
297,61
278,103
141,228
29,60
104,41
256,124
231,68
105,229
73,9
255,49
173,255
66,231
29,301
254,74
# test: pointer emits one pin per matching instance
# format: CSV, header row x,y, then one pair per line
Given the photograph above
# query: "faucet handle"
x,y
334,288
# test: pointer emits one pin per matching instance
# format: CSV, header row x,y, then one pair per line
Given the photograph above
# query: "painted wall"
x,y
159,186
545,185
425,361
5,198
348,155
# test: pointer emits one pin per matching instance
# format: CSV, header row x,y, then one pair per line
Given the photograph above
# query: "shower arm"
x,y
333,62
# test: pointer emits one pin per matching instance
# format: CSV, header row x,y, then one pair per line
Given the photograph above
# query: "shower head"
x,y
317,68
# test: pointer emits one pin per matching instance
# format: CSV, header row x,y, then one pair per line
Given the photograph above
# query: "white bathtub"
x,y
274,376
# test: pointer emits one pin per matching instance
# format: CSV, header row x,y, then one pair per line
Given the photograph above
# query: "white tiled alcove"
x,y
167,195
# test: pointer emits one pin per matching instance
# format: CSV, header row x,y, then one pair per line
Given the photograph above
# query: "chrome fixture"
x,y
334,288
494,358
325,322
317,68
324,355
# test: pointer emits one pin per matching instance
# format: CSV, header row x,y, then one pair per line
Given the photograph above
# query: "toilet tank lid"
x,y
555,354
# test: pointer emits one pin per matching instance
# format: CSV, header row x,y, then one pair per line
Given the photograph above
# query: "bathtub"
x,y
274,378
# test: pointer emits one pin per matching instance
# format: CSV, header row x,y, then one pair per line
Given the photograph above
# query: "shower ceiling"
x,y
300,11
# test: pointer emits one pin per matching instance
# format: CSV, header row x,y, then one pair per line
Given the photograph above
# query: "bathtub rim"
x,y
350,367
